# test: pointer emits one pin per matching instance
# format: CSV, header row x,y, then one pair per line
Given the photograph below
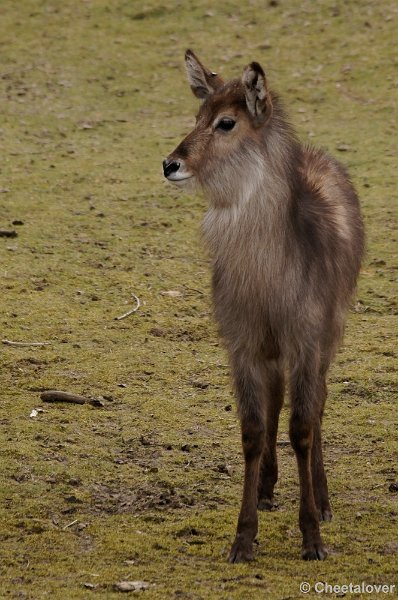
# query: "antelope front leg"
x,y
318,471
253,443
302,435
319,479
305,419
269,464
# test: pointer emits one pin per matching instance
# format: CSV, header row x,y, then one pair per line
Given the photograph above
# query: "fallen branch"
x,y
133,310
23,344
70,524
8,233
56,396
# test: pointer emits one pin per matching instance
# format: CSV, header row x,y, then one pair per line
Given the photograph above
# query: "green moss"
x,y
93,97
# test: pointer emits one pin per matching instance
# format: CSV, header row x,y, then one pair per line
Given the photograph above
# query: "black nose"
x,y
170,166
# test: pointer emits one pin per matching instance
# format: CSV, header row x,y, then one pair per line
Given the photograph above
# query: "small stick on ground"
x,y
133,310
57,396
70,524
8,234
24,344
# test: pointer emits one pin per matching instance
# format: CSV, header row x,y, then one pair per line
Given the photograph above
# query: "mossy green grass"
x,y
148,486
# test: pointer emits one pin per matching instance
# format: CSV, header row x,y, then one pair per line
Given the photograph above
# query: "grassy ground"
x,y
93,96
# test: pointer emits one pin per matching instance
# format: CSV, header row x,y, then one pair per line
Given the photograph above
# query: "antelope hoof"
x,y
314,552
266,504
241,551
325,514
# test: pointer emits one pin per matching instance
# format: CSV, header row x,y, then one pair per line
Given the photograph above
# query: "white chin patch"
x,y
179,178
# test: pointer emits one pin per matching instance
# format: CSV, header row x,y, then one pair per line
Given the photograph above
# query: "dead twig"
x,y
57,396
70,524
133,310
8,233
191,289
24,344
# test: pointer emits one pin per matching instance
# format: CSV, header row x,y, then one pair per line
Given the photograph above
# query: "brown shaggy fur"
x,y
286,238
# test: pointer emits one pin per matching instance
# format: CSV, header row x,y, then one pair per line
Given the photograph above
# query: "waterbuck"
x,y
286,239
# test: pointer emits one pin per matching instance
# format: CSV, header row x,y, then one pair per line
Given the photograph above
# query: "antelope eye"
x,y
226,124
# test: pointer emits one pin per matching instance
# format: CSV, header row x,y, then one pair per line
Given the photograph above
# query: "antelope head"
x,y
225,142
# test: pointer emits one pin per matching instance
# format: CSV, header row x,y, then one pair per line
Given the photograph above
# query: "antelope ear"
x,y
258,99
202,81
